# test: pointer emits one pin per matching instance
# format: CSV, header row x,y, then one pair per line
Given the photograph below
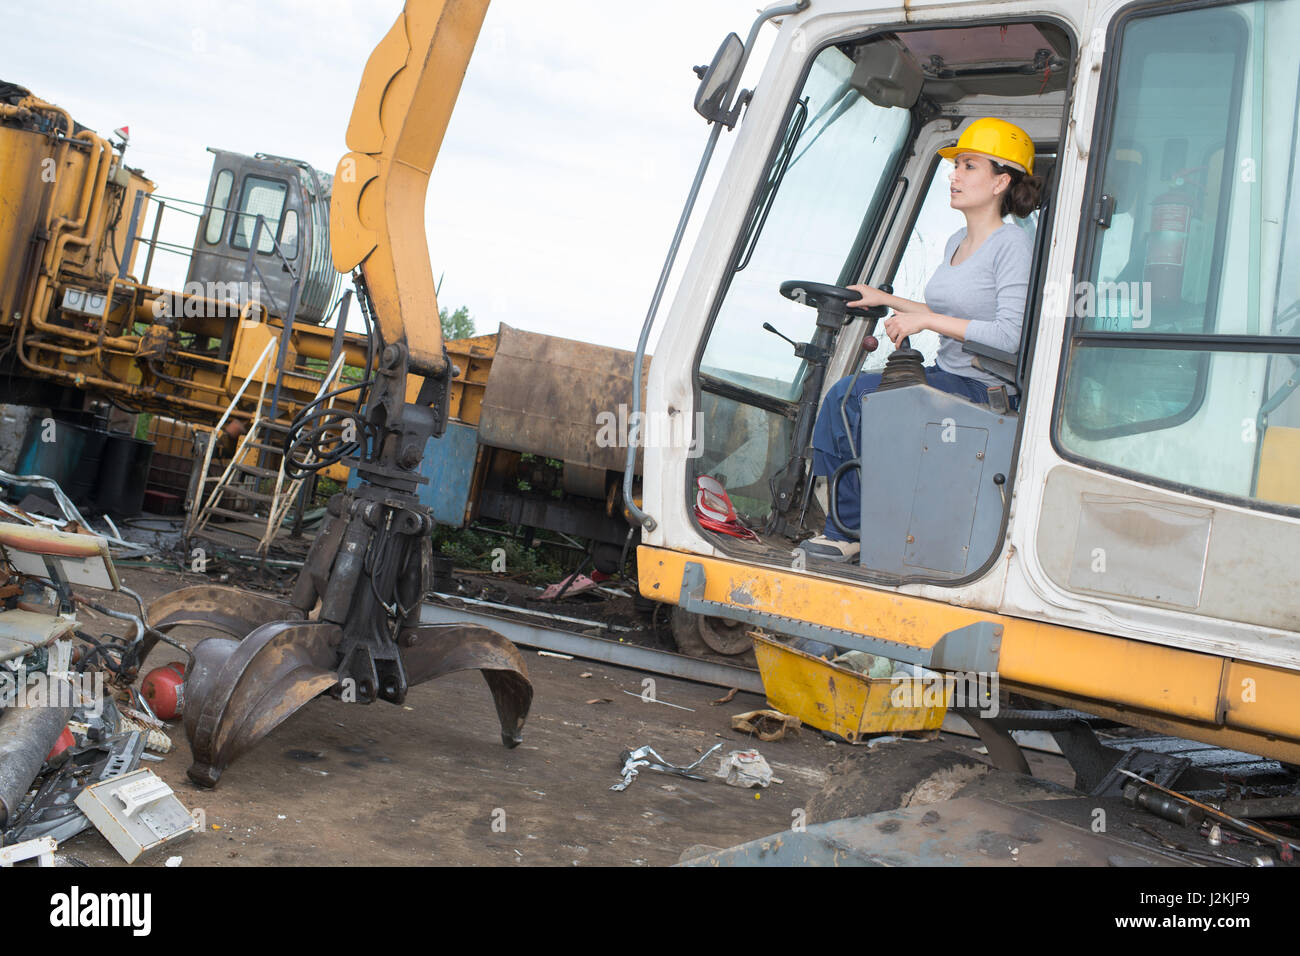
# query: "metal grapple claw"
x,y
239,688
224,609
368,569
438,649
238,691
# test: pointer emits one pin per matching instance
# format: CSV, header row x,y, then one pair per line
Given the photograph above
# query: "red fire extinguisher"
x,y
1171,224
164,689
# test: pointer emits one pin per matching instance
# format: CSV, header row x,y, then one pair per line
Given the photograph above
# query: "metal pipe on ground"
x,y
27,734
600,649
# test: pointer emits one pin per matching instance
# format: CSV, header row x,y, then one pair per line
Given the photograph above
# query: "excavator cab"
x,y
856,193
1113,524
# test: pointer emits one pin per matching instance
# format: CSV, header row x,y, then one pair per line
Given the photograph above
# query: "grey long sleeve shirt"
x,y
988,288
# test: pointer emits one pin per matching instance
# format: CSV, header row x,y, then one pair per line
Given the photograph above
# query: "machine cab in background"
x,y
293,199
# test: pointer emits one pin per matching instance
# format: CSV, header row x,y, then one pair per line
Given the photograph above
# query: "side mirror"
x,y
715,79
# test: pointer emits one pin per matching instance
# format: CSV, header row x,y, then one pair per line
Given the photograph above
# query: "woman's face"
x,y
973,185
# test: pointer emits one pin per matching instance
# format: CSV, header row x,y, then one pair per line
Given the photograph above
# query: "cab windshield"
x,y
819,193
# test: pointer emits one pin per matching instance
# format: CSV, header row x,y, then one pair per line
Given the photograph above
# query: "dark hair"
x,y
1024,193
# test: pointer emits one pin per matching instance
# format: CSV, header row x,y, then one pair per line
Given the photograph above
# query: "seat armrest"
x,y
999,364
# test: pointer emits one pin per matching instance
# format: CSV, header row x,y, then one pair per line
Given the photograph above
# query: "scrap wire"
x,y
1284,845
129,644
634,760
656,700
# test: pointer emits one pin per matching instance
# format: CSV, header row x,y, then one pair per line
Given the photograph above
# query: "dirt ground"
x,y
429,782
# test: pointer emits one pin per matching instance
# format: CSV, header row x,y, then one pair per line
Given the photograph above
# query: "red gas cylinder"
x,y
66,740
164,689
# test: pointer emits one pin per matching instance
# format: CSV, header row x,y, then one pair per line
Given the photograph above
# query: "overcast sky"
x,y
561,176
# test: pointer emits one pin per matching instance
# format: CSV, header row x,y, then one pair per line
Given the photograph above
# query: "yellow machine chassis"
x,y
1225,702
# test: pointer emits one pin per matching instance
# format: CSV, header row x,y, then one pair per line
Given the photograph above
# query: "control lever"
x,y
815,354
869,344
777,332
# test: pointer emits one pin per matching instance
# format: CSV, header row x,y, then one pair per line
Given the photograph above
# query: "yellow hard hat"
x,y
997,139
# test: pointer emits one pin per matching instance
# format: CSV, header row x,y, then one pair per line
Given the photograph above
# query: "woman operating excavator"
x,y
977,294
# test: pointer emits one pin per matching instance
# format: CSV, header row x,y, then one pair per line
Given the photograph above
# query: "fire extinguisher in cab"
x,y
1171,224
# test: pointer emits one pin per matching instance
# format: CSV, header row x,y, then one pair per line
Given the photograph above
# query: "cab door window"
x,y
1185,335
217,212
935,224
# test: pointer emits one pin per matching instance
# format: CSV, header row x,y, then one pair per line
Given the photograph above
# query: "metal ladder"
x,y
206,504
265,439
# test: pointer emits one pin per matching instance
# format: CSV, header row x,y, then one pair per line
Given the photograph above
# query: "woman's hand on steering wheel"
x,y
902,324
869,296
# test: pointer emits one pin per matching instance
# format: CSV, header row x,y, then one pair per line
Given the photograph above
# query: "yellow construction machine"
x,y
76,317
1108,537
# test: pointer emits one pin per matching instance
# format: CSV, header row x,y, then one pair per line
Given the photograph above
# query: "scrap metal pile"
x,y
72,725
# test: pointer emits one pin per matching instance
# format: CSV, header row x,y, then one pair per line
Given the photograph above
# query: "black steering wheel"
x,y
834,298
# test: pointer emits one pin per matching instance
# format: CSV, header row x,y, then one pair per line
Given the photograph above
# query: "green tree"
x,y
456,325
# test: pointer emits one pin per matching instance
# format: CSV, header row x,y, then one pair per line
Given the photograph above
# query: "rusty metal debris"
x,y
1262,807
767,725
1283,845
71,516
624,654
52,811
1195,855
26,735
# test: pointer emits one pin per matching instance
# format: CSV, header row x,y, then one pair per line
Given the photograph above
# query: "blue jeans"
x,y
831,441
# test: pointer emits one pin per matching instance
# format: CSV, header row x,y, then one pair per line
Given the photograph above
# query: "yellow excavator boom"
x,y
353,625
403,106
